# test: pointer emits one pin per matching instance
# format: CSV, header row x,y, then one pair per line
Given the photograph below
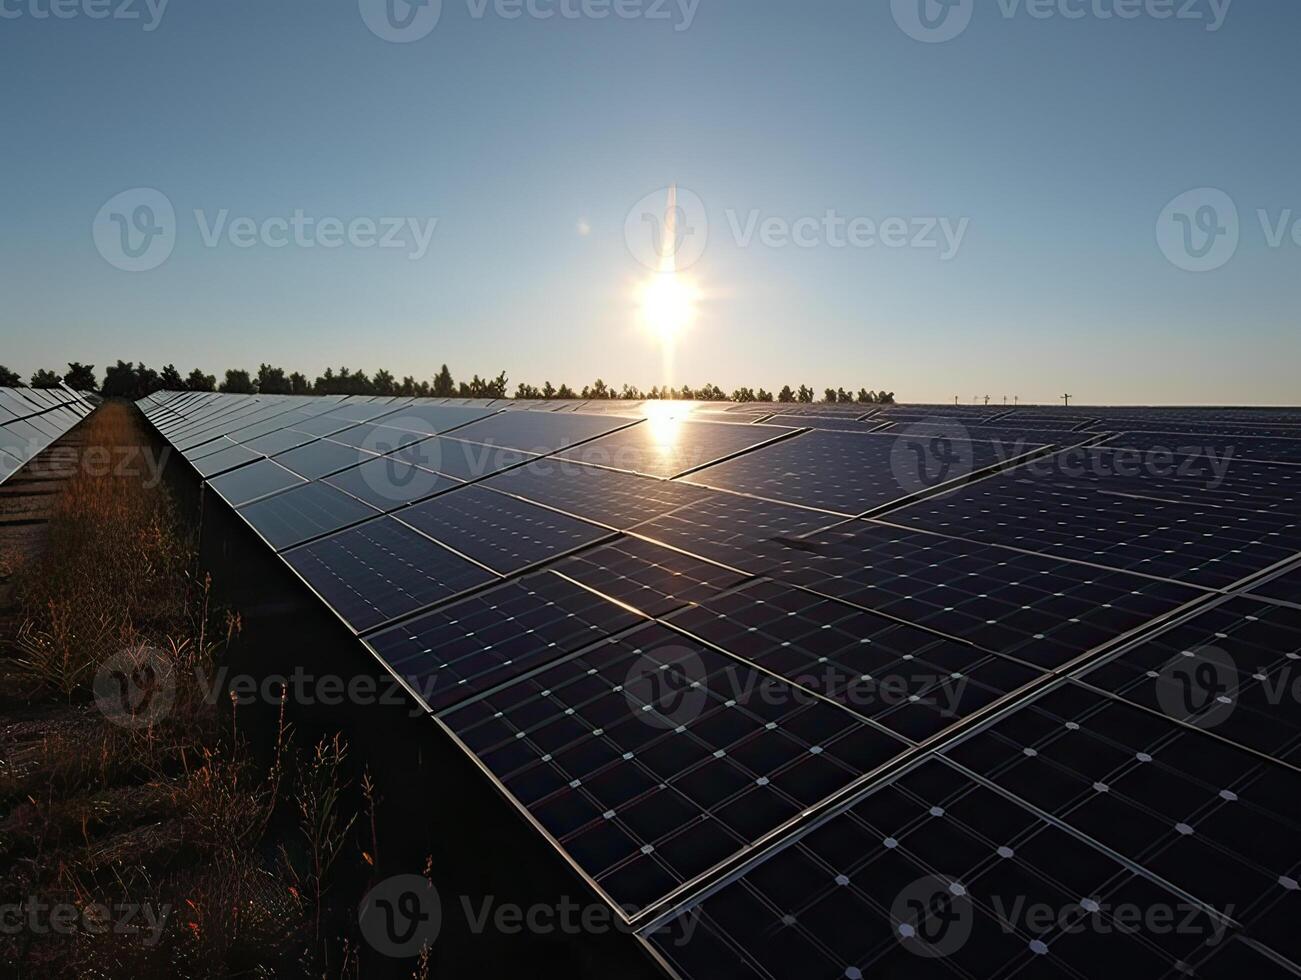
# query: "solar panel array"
x,y
31,419
840,691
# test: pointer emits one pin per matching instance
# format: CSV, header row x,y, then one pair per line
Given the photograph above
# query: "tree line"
x,y
126,379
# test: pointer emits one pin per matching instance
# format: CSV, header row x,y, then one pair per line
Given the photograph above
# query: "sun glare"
x,y
668,305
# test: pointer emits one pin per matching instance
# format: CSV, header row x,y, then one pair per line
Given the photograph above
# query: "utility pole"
x,y
1068,400
955,399
987,401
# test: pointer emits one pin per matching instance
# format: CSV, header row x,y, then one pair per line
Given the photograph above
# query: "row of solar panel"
x,y
876,640
31,419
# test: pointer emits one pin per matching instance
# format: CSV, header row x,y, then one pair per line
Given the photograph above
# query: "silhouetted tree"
x,y
198,381
805,396
45,378
548,390
763,396
81,377
272,380
171,379
120,381
444,387
496,388
384,383
237,383
10,379
566,392
786,395
299,385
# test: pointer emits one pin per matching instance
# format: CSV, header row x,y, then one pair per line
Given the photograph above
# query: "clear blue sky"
x,y
1060,140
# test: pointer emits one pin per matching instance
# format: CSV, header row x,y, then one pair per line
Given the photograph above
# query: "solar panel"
x,y
671,447
1285,588
538,432
382,570
390,482
934,874
1203,545
1237,447
307,511
851,473
478,643
1228,670
1211,819
501,532
645,766
742,532
224,459
912,681
321,458
467,461
255,480
1042,610
618,500
648,577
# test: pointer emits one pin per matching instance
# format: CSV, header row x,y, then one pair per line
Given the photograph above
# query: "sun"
x,y
668,305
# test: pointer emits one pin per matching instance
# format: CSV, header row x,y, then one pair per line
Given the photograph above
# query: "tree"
x,y
299,385
566,392
147,381
844,397
171,379
865,397
763,396
444,387
10,379
496,388
198,381
829,395
885,398
120,381
272,380
743,395
805,396
384,383
81,377
786,395
237,383
45,378
548,391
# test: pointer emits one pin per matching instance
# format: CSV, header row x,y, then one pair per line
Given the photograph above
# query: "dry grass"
x,y
172,814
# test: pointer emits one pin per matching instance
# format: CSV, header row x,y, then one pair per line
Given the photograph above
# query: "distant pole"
x,y
1016,400
955,399
987,401
1067,399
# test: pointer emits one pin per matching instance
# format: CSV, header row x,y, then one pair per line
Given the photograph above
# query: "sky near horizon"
x,y
967,197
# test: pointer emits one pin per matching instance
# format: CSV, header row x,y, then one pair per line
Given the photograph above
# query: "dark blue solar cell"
x,y
538,432
256,480
501,532
668,448
390,482
382,570
465,461
309,511
618,500
321,458
478,643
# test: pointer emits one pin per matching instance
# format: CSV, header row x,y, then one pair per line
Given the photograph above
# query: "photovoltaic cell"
x,y
668,448
1285,588
538,432
1237,447
381,570
501,532
321,458
743,532
912,681
932,875
649,577
1229,670
489,639
390,482
1208,546
850,473
467,461
618,500
253,481
1042,610
644,765
304,512
1209,818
